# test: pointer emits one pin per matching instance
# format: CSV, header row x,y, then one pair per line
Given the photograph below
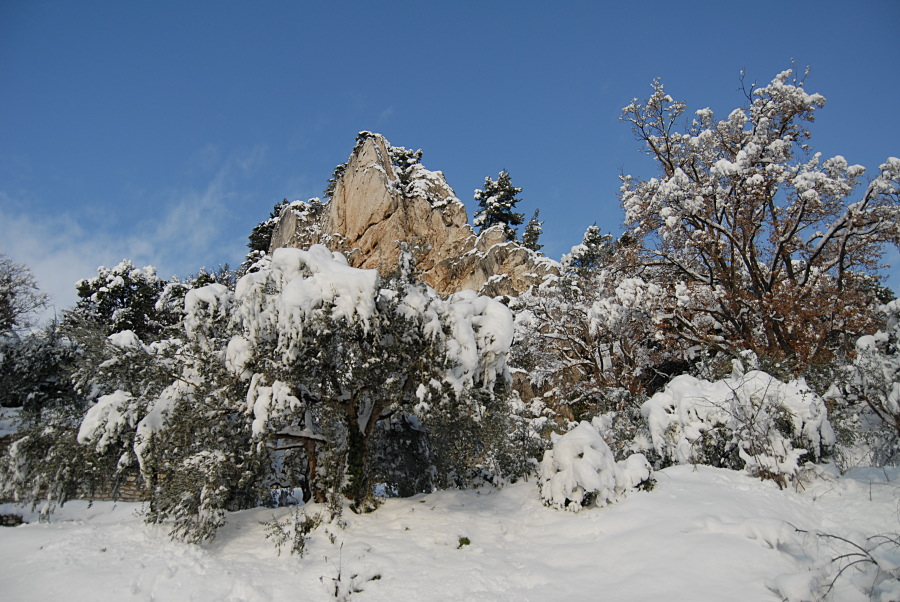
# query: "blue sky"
x,y
164,131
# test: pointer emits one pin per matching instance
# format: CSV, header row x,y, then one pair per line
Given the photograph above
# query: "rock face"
x,y
384,197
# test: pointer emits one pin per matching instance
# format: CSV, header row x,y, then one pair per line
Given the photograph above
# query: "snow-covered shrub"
x,y
293,530
580,471
878,369
751,421
866,401
33,369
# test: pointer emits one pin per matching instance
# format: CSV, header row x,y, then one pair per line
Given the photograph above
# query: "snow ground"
x,y
701,534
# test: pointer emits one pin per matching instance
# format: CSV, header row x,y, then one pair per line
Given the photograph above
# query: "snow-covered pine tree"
x,y
336,175
497,202
405,161
261,236
121,298
110,371
594,252
306,215
532,234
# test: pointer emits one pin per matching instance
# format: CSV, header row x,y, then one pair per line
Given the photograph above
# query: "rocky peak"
x,y
383,196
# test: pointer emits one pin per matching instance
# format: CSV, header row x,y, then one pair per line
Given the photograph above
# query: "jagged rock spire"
x,y
384,197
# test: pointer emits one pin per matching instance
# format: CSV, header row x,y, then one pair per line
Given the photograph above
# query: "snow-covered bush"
x,y
866,401
33,369
580,471
750,421
878,369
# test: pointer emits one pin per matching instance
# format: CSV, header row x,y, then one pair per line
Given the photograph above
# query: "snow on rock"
x,y
385,196
581,470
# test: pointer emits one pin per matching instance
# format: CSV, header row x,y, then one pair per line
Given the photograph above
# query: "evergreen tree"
x,y
533,232
497,202
336,175
121,298
261,236
594,251
405,161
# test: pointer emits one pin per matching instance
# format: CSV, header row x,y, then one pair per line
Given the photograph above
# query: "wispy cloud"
x,y
183,229
384,116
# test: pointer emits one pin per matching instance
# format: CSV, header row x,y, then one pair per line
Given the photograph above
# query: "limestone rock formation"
x,y
382,197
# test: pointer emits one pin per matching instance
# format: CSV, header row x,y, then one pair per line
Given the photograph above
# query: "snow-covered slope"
x,y
701,534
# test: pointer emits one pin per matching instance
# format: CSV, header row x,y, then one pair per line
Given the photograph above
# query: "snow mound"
x,y
580,470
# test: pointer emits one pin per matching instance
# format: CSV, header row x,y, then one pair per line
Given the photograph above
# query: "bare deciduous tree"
x,y
20,297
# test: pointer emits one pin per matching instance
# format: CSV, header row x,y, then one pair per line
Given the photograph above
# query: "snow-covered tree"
x,y
336,175
532,234
104,360
588,338
308,371
352,351
121,298
261,236
766,246
305,215
497,202
406,162
594,252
